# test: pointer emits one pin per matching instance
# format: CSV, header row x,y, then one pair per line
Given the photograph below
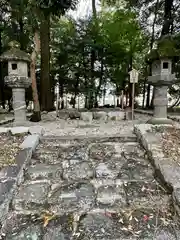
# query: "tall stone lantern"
x,y
161,78
18,80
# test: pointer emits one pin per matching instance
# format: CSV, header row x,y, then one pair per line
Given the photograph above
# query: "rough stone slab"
x,y
91,138
97,183
55,233
117,116
29,232
6,193
100,115
4,130
103,170
40,171
9,172
30,142
71,198
111,196
11,177
32,195
86,116
36,130
99,226
78,171
23,157
19,130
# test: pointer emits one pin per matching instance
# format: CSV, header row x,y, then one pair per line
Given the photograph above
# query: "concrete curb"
x,y
12,176
167,171
31,142
111,138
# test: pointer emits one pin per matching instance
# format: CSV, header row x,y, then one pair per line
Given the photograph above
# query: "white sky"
x,y
84,9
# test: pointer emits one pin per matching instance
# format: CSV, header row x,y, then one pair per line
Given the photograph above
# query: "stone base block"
x,y
156,121
116,116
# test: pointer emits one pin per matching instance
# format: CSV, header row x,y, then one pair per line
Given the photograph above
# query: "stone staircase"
x,y
99,188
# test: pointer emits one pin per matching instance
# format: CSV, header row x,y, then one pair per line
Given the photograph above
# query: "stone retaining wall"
x,y
166,170
94,114
12,176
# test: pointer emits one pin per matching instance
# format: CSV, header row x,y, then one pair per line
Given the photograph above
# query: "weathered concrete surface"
x,y
19,130
101,190
30,141
117,116
86,116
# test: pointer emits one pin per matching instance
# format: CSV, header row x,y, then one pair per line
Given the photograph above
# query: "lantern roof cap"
x,y
15,54
166,49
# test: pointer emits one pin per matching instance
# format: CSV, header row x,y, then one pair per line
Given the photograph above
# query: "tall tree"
x,y
44,10
36,117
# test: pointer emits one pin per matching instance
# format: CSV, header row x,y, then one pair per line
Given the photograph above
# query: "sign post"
x,y
57,101
134,74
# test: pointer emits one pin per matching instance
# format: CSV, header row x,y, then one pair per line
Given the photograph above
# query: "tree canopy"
x,y
82,57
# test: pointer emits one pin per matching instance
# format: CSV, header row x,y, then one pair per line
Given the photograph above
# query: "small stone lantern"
x,y
18,80
161,78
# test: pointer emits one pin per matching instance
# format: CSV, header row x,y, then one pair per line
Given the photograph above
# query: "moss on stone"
x,y
15,54
166,48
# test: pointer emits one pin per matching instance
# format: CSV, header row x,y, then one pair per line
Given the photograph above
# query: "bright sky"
x,y
84,9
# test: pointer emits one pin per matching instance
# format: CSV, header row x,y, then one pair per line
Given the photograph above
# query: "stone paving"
x,y
90,189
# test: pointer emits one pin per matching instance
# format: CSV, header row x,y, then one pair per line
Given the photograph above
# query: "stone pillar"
x,y
19,104
160,105
160,101
18,85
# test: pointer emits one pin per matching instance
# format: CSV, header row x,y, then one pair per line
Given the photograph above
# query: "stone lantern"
x,y
161,78
18,80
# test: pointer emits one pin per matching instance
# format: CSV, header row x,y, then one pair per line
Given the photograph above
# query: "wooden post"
x,y
133,90
133,79
57,102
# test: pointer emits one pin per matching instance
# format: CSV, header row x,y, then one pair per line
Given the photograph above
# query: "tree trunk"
x,y
2,97
36,117
168,20
22,40
45,82
100,80
93,57
76,90
61,90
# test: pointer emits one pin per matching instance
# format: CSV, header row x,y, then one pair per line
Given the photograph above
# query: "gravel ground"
x,y
171,143
59,127
9,146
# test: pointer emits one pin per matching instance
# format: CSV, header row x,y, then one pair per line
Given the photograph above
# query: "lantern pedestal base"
x,y
159,121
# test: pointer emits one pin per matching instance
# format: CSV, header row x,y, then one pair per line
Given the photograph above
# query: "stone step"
x,y
109,160
100,209
90,190
64,197
98,224
104,138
